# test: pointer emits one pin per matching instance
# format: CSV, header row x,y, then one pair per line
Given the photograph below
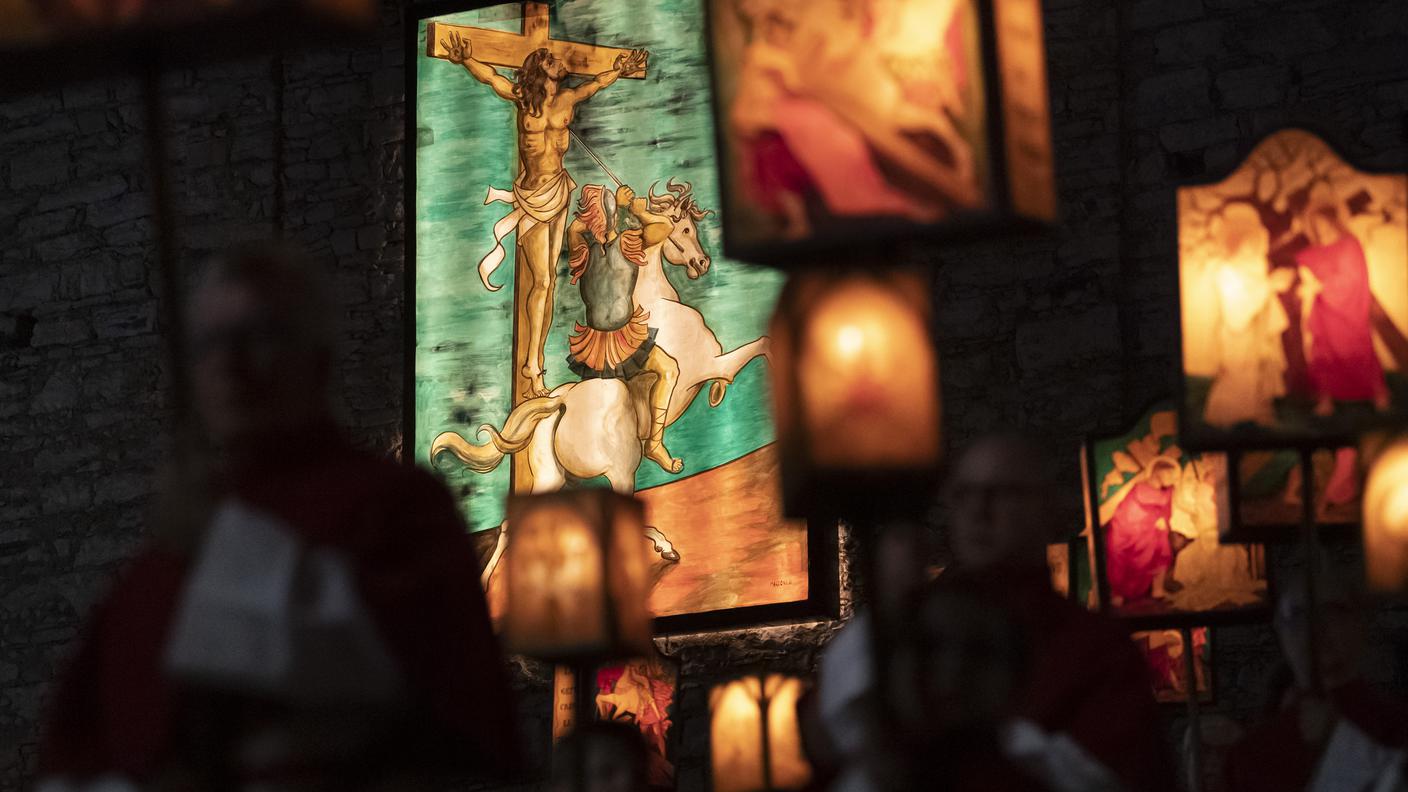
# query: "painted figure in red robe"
x,y
1138,552
1335,286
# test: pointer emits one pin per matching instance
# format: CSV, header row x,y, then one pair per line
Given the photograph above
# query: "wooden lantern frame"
x,y
863,494
1152,621
1016,203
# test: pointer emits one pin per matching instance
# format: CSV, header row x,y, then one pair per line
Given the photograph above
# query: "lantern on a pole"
x,y
856,391
576,576
755,738
914,118
1386,519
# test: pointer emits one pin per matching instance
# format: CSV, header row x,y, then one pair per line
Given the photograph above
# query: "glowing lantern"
x,y
1386,519
1292,236
913,117
755,740
856,389
576,576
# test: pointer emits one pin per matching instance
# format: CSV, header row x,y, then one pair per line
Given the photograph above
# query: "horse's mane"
x,y
678,195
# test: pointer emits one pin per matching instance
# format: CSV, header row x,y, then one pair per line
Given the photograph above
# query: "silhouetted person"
x,y
307,615
1337,735
602,756
1080,714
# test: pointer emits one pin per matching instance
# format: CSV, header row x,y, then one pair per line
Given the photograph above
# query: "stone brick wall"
x,y
1063,333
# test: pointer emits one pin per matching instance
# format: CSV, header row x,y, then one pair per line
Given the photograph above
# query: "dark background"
x,y
1061,334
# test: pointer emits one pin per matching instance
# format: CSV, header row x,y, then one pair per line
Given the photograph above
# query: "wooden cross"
x,y
507,50
503,49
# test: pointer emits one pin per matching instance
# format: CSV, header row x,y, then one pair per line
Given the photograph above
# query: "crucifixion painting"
x,y
591,166
544,108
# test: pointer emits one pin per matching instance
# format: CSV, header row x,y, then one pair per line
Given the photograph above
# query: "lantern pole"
x,y
764,739
1310,543
1195,749
172,311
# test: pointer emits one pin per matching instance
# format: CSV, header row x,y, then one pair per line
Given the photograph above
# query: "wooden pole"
x,y
172,297
1310,543
1195,732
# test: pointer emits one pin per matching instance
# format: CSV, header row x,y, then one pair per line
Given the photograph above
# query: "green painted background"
x,y
646,131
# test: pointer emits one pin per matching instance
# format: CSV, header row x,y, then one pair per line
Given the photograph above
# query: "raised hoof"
x,y
671,556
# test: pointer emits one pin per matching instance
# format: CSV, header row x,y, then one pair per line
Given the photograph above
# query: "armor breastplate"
x,y
608,287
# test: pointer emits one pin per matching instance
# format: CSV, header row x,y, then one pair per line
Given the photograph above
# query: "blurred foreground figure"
x,y
1040,693
1336,735
307,616
602,756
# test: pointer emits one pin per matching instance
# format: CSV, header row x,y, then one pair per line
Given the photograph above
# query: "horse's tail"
x,y
514,437
717,389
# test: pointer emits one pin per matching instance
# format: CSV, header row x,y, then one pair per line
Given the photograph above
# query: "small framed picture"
x,y
1268,494
640,692
1164,651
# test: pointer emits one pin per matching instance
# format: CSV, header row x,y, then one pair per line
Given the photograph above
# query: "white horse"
x,y
596,428
680,329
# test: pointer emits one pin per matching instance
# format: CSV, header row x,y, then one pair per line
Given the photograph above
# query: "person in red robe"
x,y
1331,732
1342,363
1080,709
305,614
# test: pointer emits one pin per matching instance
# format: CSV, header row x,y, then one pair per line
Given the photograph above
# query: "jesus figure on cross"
x,y
542,192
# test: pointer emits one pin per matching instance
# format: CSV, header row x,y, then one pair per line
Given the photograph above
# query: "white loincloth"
x,y
529,209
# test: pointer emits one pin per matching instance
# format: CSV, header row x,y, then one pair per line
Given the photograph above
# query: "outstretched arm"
x,y
458,50
626,63
654,228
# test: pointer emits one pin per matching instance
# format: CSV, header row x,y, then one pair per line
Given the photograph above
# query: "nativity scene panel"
x,y
1293,278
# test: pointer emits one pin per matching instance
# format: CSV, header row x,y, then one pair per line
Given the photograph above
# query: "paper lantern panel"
x,y
755,739
1267,489
573,575
842,121
1157,510
855,387
1385,516
1168,670
1293,276
640,692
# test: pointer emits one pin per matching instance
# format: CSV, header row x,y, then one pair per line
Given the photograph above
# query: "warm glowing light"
x,y
1386,519
744,758
849,342
1395,511
919,27
574,573
866,374
1263,359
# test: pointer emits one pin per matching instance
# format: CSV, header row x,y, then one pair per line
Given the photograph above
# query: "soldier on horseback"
x,y
607,242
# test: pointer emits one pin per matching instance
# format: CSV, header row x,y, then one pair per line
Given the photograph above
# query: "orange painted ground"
x,y
735,548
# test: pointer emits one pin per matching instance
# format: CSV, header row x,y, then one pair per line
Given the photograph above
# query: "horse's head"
x,y
683,248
